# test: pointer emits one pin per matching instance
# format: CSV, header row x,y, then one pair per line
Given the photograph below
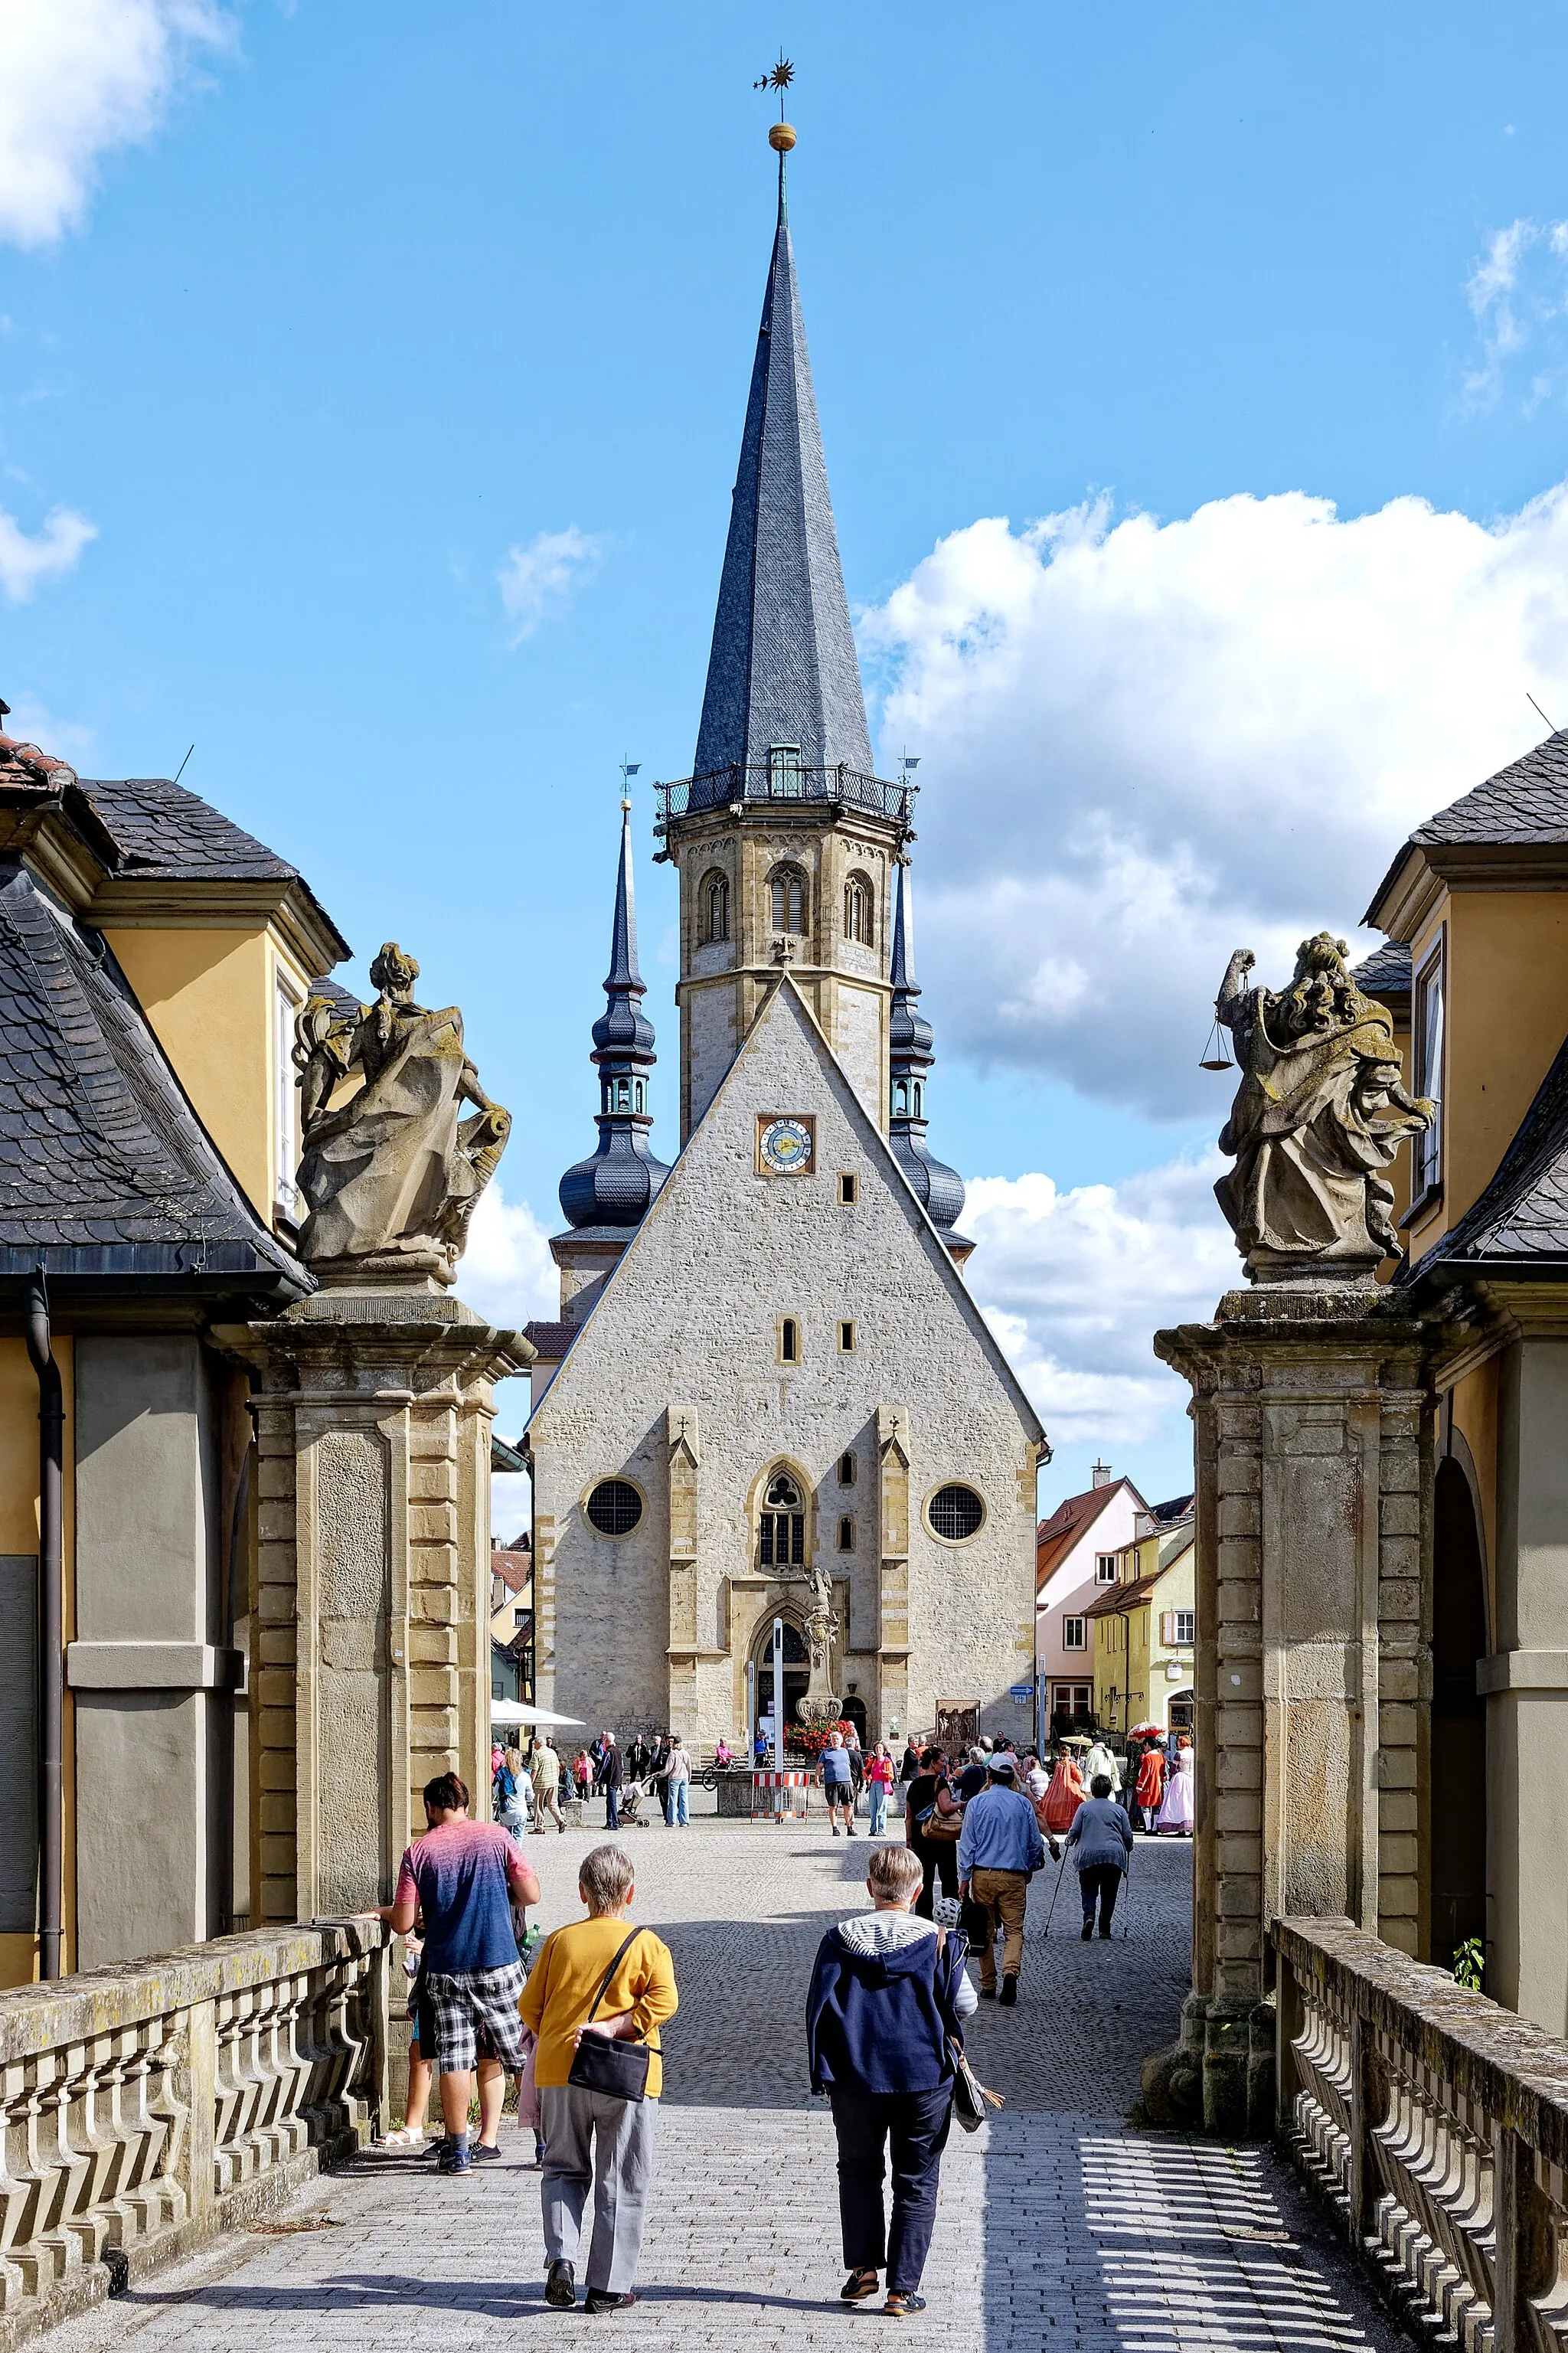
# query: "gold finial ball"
x,y
781,138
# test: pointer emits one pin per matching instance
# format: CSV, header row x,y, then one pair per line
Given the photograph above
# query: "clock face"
x,y
787,1146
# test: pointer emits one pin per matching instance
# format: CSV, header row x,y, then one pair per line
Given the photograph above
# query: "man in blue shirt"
x,y
837,1784
999,1851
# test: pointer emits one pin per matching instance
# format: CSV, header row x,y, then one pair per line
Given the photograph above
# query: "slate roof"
x,y
783,668
1521,1219
1524,803
1386,973
104,1166
159,828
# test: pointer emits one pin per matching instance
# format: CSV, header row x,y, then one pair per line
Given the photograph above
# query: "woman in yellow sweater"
x,y
590,2135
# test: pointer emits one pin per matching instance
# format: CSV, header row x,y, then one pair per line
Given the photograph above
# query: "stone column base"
x,y
1218,2077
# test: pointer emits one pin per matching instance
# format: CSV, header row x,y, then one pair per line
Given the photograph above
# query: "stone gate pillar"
x,y
1312,1410
369,1652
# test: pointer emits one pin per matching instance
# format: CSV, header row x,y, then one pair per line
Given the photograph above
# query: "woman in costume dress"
x,y
1177,1813
1151,1784
1065,1793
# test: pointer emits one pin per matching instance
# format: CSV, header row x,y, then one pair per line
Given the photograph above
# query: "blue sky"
x,y
376,296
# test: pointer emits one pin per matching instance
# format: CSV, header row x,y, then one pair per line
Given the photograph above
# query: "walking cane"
x,y
1054,1893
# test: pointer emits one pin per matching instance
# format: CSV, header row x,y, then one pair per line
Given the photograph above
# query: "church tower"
x,y
784,841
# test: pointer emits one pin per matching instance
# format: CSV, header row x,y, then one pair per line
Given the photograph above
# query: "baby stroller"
x,y
633,1795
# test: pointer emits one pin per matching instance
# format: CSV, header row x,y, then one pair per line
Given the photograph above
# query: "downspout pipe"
x,y
51,1627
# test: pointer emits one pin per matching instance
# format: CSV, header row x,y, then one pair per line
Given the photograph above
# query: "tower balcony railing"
x,y
774,780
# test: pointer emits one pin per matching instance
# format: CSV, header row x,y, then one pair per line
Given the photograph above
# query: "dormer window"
x,y
1427,1042
787,778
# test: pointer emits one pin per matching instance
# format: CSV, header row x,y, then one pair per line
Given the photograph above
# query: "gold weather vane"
x,y
781,138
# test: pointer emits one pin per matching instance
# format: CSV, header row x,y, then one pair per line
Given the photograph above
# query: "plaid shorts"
x,y
474,2015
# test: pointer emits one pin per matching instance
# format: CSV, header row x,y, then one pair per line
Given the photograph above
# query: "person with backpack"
x,y
885,2013
505,1803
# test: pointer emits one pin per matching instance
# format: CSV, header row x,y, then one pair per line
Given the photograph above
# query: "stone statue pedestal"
x,y
370,1650
1312,1410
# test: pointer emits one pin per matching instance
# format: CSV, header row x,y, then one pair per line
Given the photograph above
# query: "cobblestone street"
x,y
1058,2225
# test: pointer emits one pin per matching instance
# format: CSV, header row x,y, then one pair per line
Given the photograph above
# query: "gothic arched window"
x,y
787,886
714,900
857,910
780,1524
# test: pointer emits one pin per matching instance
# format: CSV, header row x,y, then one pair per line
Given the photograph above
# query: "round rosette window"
x,y
955,1514
787,1146
614,1507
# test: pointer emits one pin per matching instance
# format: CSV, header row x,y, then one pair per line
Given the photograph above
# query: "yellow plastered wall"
x,y
19,1534
210,997
1506,1015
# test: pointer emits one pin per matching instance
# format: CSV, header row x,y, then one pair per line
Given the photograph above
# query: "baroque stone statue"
x,y
393,1173
1321,1112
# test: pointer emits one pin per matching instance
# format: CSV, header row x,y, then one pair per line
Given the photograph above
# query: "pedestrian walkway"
x,y
1058,2227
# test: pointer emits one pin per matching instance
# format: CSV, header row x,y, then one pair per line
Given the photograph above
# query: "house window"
x,y
286,1012
780,1527
955,1514
1105,1568
1427,1039
1075,1636
786,888
848,1189
1184,1628
614,1507
846,1533
857,910
715,904
848,1467
846,1339
789,1340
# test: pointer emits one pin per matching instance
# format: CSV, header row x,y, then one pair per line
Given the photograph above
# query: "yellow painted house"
x,y
1143,1628
152,957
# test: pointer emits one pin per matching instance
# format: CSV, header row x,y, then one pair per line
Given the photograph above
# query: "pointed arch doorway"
x,y
796,1669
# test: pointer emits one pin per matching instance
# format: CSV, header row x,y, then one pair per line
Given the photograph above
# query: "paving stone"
x,y
1057,2227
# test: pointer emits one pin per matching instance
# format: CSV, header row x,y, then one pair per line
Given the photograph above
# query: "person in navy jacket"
x,y
888,1993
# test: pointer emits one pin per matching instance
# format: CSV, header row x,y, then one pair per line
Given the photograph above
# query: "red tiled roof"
x,y
551,1340
513,1568
1055,1537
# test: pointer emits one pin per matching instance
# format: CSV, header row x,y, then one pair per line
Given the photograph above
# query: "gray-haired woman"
x,y
597,1976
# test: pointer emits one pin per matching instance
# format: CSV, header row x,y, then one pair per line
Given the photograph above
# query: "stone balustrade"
x,y
147,2106
1437,2123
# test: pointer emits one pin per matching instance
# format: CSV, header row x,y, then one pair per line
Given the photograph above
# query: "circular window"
x,y
955,1513
614,1507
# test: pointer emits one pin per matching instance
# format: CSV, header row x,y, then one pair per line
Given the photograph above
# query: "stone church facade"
x,y
768,1378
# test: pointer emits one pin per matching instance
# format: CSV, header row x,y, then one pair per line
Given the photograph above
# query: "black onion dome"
x,y
614,1185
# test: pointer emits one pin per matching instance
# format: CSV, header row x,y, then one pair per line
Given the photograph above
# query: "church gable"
x,y
726,1222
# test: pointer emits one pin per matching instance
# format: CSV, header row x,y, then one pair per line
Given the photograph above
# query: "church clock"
x,y
787,1146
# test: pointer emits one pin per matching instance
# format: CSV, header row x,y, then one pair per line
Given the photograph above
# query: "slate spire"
x,y
783,669
615,1183
939,1188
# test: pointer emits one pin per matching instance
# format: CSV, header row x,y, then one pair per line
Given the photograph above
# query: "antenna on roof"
x,y
181,769
1538,711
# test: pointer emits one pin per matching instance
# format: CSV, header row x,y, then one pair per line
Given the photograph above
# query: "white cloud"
x,y
507,1272
1073,1283
79,77
25,558
1145,744
1518,295
542,579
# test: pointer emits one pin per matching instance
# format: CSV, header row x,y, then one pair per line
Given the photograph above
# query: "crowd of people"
x,y
573,2017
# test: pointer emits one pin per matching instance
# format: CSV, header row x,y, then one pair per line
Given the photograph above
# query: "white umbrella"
x,y
520,1711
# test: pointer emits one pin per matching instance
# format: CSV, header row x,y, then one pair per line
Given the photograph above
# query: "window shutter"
x,y
1167,1626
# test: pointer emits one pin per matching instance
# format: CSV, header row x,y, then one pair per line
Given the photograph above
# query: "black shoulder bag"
x,y
617,2070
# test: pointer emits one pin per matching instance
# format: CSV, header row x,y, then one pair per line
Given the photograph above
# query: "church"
x,y
769,1393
